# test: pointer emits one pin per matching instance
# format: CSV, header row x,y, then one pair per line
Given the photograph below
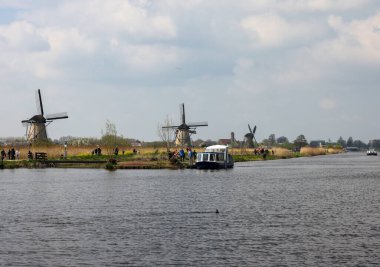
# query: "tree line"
x,y
301,141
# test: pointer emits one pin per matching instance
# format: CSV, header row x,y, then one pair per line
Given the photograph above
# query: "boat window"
x,y
212,157
199,157
219,157
205,157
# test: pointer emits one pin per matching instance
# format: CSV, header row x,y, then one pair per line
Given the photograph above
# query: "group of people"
x,y
97,151
181,154
262,151
12,154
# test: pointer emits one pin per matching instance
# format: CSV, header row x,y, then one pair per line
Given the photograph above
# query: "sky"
x,y
290,67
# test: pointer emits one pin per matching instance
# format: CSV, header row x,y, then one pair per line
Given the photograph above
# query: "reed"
x,y
57,151
152,153
313,151
334,150
280,152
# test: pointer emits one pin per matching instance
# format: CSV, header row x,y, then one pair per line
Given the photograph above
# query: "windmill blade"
x,y
250,130
40,107
57,116
255,140
170,127
182,111
254,130
196,124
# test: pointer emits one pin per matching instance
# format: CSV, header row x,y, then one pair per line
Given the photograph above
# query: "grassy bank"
x,y
144,158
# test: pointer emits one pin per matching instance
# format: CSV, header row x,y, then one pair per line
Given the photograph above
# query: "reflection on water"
x,y
320,211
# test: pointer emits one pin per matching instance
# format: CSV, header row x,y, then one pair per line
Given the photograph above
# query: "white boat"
x,y
371,152
214,157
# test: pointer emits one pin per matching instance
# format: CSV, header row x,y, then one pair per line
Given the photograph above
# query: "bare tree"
x,y
109,137
166,134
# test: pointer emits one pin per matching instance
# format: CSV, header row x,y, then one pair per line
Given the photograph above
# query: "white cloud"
x,y
104,18
354,48
358,40
150,57
271,30
22,36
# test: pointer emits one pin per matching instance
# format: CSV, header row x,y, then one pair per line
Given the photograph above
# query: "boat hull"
x,y
207,165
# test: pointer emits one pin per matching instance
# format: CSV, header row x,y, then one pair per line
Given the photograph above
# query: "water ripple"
x,y
320,211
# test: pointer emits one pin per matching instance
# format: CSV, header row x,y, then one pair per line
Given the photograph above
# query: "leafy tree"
x,y
265,142
360,144
272,139
300,141
350,141
282,140
341,142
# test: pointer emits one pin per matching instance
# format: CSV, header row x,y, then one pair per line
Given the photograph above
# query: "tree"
x,y
300,141
109,137
350,141
360,144
272,139
166,134
282,140
265,142
341,142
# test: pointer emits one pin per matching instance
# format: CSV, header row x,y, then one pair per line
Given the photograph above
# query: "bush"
x,y
110,166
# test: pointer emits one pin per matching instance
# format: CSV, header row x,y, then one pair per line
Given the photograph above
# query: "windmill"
x,y
249,137
184,130
36,125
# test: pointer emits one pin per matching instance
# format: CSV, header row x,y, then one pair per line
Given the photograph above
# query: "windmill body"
x,y
249,137
248,140
184,130
36,131
182,137
36,125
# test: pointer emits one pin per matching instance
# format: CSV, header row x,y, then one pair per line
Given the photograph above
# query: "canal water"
x,y
319,211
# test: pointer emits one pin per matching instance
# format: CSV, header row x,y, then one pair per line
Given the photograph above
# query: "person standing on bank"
x,y
191,157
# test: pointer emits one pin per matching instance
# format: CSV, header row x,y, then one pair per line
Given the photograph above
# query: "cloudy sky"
x,y
290,67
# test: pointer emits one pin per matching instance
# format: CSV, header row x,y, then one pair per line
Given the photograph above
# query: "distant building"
x,y
136,143
317,143
230,141
224,142
374,143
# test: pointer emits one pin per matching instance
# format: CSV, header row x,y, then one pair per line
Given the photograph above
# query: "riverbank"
x,y
152,159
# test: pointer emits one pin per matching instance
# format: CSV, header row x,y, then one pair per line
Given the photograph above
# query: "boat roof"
x,y
216,148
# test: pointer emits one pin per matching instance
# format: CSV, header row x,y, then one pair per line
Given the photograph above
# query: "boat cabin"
x,y
214,157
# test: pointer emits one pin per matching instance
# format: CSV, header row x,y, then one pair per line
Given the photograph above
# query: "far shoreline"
x,y
156,160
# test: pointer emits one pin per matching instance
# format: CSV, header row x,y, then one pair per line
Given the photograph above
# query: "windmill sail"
x,y
182,112
40,108
250,129
195,124
57,116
